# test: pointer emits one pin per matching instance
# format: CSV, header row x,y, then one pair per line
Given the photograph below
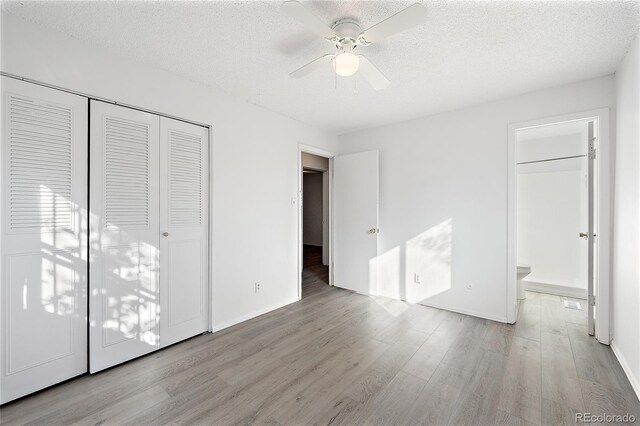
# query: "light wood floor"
x,y
341,358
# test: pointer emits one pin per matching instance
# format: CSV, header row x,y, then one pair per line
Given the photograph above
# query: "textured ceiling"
x,y
466,53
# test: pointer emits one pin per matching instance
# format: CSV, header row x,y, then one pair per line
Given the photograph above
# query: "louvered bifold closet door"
x,y
184,200
44,242
124,235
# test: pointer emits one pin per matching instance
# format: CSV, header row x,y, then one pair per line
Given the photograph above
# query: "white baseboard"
x,y
446,308
635,383
246,317
465,311
558,290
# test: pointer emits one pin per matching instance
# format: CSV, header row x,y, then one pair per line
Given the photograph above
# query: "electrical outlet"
x,y
257,286
417,279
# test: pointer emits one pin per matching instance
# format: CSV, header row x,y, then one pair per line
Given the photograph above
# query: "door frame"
x,y
602,207
210,230
330,156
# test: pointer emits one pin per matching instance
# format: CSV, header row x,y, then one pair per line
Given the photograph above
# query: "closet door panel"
x,y
124,224
44,237
184,200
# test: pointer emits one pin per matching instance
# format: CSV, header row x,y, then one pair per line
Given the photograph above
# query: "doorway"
x,y
558,220
553,197
315,180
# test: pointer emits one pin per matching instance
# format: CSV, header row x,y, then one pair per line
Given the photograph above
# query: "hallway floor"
x,y
313,272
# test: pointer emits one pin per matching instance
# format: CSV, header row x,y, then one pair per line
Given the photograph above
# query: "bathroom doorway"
x,y
555,214
552,194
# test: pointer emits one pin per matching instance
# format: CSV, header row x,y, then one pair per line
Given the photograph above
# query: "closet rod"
x,y
552,159
97,98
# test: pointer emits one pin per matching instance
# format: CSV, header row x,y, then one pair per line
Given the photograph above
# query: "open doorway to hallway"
x,y
315,223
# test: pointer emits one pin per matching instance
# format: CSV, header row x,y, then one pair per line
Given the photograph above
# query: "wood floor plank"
x,y
601,399
308,400
506,419
498,337
392,404
448,330
560,382
120,413
425,318
479,400
529,315
426,360
183,403
382,371
552,315
467,351
437,401
596,362
554,413
338,412
520,391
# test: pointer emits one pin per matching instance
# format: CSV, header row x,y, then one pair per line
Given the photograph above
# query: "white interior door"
x,y
124,234
184,184
356,221
44,241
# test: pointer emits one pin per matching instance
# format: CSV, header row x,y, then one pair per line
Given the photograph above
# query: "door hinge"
x,y
592,153
592,300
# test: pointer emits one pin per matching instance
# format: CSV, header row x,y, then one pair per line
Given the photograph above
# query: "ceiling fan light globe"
x,y
346,64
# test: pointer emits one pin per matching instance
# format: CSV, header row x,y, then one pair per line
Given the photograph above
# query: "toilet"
x,y
523,271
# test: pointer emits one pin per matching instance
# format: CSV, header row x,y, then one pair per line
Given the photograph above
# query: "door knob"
x,y
373,231
584,235
165,234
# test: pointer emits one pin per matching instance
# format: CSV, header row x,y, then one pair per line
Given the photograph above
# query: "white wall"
x,y
551,211
255,222
312,211
626,237
443,196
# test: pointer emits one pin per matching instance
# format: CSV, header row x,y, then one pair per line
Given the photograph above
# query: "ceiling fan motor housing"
x,y
348,30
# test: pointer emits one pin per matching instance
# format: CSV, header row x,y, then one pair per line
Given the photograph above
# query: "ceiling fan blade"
x,y
298,11
413,15
372,74
311,66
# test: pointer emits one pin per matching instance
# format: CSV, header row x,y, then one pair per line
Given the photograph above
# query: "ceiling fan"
x,y
347,35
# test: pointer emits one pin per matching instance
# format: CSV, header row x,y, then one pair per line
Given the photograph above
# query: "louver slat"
x,y
40,165
185,183
126,174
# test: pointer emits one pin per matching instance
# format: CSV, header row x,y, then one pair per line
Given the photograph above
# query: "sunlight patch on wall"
x,y
429,255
